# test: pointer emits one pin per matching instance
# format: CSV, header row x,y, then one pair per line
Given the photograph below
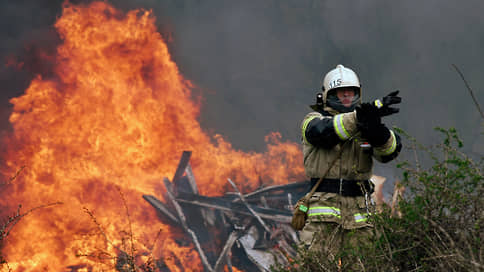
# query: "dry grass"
x,y
11,220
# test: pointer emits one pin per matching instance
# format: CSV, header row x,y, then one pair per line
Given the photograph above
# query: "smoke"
x,y
28,44
257,64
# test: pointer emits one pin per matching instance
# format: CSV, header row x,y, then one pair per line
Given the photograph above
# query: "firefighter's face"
x,y
346,96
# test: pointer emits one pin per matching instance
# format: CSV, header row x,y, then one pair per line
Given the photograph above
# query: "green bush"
x,y
439,224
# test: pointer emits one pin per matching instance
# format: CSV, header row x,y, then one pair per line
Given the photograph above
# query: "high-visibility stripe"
x,y
359,217
305,125
315,211
340,128
392,148
378,103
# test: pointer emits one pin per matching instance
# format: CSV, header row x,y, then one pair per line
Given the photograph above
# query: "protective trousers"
x,y
337,224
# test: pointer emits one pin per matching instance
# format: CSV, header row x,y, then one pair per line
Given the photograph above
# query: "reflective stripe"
x,y
315,211
392,148
305,125
340,128
378,103
359,217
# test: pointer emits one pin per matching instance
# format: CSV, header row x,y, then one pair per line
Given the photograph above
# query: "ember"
x,y
104,131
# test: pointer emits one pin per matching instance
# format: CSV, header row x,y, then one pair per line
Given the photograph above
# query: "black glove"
x,y
377,135
383,105
367,115
370,125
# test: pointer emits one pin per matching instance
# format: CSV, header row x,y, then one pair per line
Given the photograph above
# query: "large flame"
x,y
112,122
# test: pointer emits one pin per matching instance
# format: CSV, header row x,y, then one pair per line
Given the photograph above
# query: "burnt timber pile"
x,y
250,231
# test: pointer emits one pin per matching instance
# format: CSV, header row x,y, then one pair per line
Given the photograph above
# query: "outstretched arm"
x,y
327,131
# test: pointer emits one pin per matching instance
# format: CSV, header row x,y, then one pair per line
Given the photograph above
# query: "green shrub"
x,y
439,226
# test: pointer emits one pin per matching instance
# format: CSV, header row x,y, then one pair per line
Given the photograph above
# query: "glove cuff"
x,y
377,103
387,150
378,135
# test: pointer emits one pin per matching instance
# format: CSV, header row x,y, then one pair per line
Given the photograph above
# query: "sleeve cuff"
x,y
389,147
345,125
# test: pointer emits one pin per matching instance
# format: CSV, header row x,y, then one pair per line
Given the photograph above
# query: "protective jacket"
x,y
324,134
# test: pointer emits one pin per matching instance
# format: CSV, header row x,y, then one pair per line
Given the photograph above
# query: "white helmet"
x,y
337,78
340,77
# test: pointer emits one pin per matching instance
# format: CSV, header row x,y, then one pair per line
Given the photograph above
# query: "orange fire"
x,y
107,128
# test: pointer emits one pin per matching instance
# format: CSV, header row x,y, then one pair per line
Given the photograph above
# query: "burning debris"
x,y
115,113
114,116
250,229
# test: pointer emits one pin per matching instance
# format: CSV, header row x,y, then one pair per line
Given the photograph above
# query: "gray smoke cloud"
x,y
258,63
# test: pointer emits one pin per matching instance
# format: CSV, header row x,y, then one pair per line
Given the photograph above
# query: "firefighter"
x,y
340,208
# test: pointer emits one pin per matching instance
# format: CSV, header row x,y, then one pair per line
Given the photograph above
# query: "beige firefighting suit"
x,y
331,216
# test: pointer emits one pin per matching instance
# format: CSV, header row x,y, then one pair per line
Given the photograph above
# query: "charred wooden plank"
x,y
285,188
262,259
168,185
219,203
254,213
185,158
201,220
191,179
160,207
191,233
180,182
192,184
229,263
270,198
223,255
297,189
284,248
